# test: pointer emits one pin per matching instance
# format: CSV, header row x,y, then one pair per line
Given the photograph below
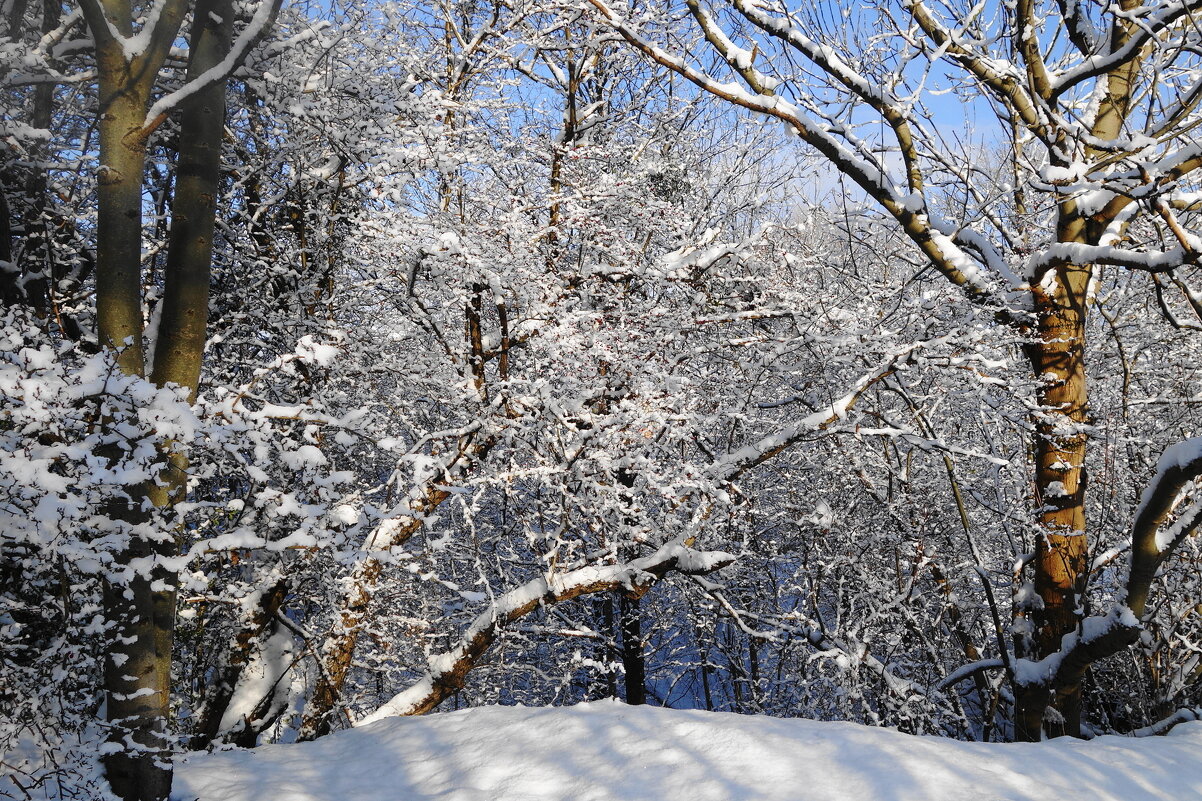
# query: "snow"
x,y
260,679
605,751
914,202
1055,489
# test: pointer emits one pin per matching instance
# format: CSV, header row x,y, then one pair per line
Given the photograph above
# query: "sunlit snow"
x,y
606,751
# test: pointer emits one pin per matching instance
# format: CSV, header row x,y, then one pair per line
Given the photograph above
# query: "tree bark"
x,y
119,222
634,663
180,345
1061,549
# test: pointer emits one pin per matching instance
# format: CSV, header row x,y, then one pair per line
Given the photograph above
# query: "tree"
x,y
1096,106
142,602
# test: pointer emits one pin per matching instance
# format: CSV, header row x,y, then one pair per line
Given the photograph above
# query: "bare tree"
x,y
1097,107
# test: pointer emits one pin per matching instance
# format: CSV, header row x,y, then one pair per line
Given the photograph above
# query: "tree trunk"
x,y
23,279
138,667
37,257
8,271
180,345
634,664
340,647
1061,548
138,676
607,626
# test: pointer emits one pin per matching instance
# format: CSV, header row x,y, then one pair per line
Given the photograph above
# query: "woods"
x,y
364,359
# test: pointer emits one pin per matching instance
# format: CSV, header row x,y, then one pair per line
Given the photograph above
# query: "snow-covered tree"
x,y
1095,106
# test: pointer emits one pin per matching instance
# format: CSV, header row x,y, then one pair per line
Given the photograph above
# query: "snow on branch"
x,y
264,15
879,97
868,175
1095,638
1160,261
1001,77
1151,542
448,671
145,50
1165,725
968,671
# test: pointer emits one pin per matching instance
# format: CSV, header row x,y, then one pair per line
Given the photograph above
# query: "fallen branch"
x,y
1165,725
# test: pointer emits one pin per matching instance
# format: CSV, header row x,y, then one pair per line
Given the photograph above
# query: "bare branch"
x,y
447,672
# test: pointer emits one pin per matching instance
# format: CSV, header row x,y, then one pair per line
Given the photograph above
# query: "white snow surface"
x,y
605,751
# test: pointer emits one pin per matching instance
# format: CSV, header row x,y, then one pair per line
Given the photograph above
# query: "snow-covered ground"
x,y
612,752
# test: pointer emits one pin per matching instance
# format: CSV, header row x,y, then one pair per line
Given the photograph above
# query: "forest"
x,y
367,358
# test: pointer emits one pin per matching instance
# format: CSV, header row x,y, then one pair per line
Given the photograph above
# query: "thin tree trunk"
x,y
249,638
634,664
8,271
339,649
19,284
37,255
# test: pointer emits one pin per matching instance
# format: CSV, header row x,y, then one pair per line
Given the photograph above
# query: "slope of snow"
x,y
611,752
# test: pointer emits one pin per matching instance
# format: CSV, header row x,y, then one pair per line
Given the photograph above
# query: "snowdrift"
x,y
612,752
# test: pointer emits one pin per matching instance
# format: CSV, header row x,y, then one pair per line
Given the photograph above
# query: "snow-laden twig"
x,y
1165,725
967,671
